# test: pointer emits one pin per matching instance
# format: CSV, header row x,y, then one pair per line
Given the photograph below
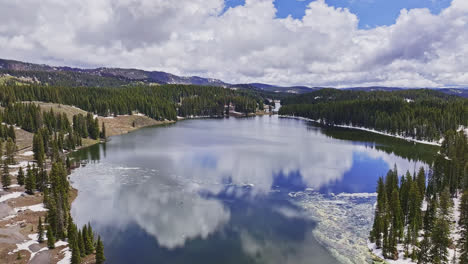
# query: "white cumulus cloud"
x,y
247,43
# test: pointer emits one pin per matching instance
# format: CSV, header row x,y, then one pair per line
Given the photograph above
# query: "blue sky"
x,y
371,13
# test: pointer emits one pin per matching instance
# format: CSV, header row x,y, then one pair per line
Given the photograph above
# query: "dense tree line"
x,y
421,114
158,102
425,232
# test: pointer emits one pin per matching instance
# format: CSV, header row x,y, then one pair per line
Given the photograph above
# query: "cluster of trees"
x,y
83,242
29,117
421,114
158,102
425,232
6,132
86,126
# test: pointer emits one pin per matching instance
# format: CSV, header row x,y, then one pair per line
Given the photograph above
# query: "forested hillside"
x,y
158,102
426,223
421,114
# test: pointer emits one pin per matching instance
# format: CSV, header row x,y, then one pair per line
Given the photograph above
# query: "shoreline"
x,y
367,130
20,212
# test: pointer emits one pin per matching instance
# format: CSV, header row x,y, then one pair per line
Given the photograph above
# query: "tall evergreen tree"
x,y
414,215
421,179
6,180
11,133
38,147
88,240
76,257
81,243
397,221
10,151
30,181
100,251
20,177
441,230
380,214
40,231
406,183
50,238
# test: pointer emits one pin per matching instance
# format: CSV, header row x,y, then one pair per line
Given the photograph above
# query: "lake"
x,y
250,190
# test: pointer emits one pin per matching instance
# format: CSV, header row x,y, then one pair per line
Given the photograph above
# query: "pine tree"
x,y
81,243
10,151
71,231
40,231
391,181
463,223
397,221
441,230
100,251
396,229
424,256
30,181
11,133
380,211
88,240
20,177
76,257
414,214
421,179
6,180
50,238
90,233
38,148
404,194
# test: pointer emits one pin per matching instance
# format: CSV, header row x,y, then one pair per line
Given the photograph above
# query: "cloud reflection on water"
x,y
173,166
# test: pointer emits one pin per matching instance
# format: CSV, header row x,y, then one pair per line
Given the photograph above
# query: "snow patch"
x,y
35,208
21,164
60,243
9,196
67,258
27,153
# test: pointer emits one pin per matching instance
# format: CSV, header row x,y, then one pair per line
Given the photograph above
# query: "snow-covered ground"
x,y
9,196
372,131
25,245
35,208
67,258
23,164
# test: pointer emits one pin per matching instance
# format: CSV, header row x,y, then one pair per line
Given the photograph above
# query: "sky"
x,y
337,43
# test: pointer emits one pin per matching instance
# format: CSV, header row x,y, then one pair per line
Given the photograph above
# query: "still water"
x,y
253,190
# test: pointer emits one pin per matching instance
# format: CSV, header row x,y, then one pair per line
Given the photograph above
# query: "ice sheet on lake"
x,y
344,222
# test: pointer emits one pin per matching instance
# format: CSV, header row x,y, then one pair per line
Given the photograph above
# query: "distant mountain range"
x,y
23,72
